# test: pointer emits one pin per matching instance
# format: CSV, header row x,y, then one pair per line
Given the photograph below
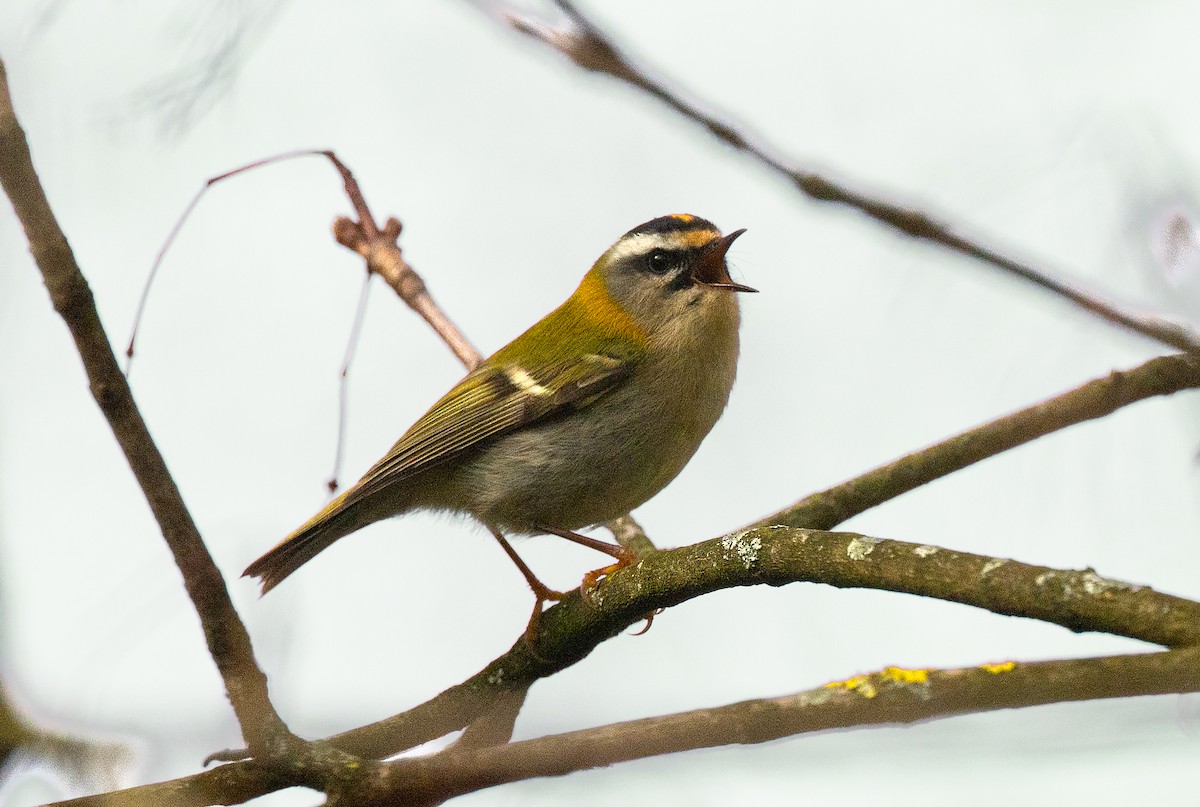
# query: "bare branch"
x,y
381,251
495,726
892,696
382,254
227,639
1095,399
587,45
178,226
360,314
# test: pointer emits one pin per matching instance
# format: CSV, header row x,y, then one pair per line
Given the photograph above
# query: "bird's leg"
x,y
540,590
616,550
588,586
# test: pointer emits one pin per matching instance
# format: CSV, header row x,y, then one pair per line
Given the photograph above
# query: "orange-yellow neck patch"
x,y
599,306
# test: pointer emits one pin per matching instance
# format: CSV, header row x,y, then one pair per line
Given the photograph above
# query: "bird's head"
x,y
669,269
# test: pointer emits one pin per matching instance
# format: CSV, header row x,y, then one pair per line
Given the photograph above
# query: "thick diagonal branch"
x,y
72,298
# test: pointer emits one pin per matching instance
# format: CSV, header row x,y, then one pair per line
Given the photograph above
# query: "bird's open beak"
x,y
710,268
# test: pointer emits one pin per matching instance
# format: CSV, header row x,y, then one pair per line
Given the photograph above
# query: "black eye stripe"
x,y
681,281
663,261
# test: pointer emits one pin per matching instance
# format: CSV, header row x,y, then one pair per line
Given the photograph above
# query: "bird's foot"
x,y
591,580
544,595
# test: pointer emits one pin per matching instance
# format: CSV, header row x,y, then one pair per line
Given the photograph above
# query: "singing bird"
x,y
579,420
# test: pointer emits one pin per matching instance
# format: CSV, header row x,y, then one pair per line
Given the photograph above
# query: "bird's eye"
x,y
659,262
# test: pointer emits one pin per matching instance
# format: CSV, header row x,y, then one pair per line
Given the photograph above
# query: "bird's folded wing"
x,y
490,401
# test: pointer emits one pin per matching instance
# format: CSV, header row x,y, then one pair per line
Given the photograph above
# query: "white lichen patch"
x,y
1086,583
925,551
496,678
860,547
992,565
813,697
1095,585
744,545
1062,580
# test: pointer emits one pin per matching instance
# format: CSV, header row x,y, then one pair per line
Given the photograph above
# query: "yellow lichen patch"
x,y
996,669
859,683
903,676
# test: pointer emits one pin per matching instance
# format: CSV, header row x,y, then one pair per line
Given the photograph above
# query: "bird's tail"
x,y
336,520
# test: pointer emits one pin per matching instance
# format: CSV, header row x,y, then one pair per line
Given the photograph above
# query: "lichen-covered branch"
x,y
587,45
1095,399
1077,600
891,696
72,298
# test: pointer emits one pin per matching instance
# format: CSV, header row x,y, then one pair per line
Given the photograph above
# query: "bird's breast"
x,y
603,460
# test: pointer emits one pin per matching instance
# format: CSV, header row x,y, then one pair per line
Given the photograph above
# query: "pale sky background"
x,y
1059,132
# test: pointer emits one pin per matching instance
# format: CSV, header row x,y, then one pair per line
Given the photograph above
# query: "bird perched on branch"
x,y
585,416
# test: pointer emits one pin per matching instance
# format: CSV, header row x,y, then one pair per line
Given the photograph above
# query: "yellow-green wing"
x,y
491,400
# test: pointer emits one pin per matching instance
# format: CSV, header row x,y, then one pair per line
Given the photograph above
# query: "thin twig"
x,y
382,253
360,312
178,226
587,45
383,256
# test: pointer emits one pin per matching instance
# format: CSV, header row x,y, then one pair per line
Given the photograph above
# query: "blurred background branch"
x,y
586,44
